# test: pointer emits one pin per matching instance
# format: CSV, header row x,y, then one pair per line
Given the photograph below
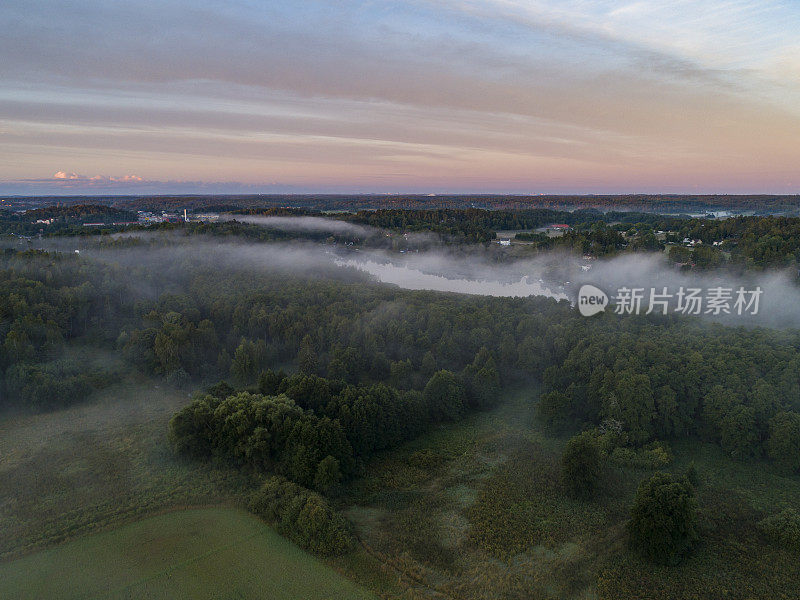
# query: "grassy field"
x,y
95,465
107,463
469,510
200,554
478,510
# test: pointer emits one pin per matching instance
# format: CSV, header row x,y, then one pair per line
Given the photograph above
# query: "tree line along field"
x,y
428,445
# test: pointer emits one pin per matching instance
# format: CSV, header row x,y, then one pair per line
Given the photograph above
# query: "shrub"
x,y
653,456
553,409
581,465
783,528
426,459
663,524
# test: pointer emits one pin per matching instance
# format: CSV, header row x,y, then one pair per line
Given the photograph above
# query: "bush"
x,y
426,459
303,516
663,524
692,475
653,456
581,465
783,528
191,429
554,409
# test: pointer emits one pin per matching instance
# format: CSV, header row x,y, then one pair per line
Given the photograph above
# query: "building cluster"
x,y
148,218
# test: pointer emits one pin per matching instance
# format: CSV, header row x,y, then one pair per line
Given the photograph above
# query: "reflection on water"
x,y
414,279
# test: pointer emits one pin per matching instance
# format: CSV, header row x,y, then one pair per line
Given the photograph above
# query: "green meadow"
x,y
469,510
210,553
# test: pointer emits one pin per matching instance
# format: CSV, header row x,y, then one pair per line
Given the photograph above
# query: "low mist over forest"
x,y
462,300
301,364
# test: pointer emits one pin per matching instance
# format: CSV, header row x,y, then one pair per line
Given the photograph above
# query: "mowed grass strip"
x,y
200,553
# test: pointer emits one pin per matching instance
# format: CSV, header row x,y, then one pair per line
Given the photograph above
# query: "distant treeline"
x,y
742,242
63,219
659,203
480,225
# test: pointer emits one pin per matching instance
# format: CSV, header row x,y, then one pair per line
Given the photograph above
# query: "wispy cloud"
x,y
96,179
70,183
500,95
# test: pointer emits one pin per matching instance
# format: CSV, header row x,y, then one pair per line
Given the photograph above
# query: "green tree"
x,y
401,374
663,525
783,444
269,382
307,357
581,466
783,528
739,434
18,347
245,361
680,254
327,475
482,381
631,402
191,429
444,395
554,409
428,367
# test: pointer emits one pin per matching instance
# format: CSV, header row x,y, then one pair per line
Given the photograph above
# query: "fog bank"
x,y
465,270
309,224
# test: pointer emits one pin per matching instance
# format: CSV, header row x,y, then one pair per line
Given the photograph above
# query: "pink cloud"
x,y
72,176
65,175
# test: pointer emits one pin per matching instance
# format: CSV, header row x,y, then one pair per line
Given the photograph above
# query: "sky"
x,y
420,96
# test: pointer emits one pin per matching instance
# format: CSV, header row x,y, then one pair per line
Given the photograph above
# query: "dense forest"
x,y
303,374
69,219
658,203
738,387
